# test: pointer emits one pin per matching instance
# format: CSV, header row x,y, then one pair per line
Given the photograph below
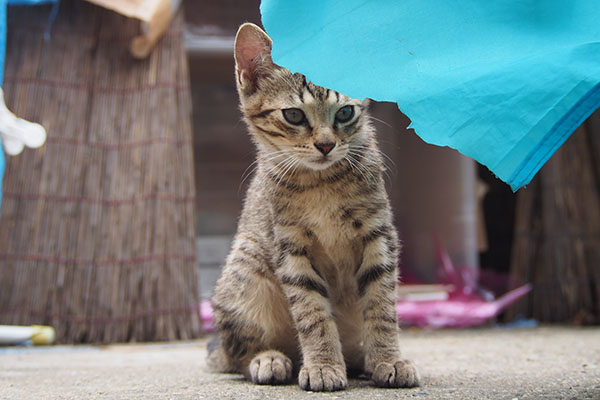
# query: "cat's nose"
x,y
325,148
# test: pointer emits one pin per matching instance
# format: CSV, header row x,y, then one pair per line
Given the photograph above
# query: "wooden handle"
x,y
142,45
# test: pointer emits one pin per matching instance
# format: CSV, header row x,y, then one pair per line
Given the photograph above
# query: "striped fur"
x,y
309,284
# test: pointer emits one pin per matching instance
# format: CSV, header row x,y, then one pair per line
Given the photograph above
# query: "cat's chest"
x,y
334,235
322,211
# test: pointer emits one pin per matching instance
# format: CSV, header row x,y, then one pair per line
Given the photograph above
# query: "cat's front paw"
x,y
402,373
270,368
320,378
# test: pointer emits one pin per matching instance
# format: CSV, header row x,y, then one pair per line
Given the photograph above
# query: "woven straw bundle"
x,y
557,234
97,227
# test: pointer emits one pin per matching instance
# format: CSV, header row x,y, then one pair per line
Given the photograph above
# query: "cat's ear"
x,y
252,50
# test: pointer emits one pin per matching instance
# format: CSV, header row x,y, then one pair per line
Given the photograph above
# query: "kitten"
x,y
310,280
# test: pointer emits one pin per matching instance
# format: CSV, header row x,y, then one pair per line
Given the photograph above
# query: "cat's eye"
x,y
344,114
294,116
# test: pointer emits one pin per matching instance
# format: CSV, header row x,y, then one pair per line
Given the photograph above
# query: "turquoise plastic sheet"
x,y
3,4
504,81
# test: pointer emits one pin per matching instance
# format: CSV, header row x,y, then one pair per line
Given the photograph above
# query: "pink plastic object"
x,y
458,311
467,304
206,313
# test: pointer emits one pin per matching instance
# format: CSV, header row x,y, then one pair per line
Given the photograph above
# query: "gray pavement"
x,y
540,363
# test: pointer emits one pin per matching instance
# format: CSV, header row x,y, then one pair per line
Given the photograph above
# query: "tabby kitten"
x,y
310,280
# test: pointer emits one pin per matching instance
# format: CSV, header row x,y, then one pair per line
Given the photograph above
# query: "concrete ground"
x,y
539,363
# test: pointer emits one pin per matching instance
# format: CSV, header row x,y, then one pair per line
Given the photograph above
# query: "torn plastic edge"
x,y
559,133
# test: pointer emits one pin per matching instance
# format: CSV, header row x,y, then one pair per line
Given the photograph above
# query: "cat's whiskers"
x,y
275,169
265,166
381,121
255,164
365,157
291,166
378,151
269,157
280,175
352,162
384,158
365,172
373,160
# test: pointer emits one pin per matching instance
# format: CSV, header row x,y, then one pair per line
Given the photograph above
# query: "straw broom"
x,y
97,227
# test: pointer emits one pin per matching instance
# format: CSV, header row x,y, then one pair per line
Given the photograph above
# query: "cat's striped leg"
x,y
323,366
256,334
250,342
376,279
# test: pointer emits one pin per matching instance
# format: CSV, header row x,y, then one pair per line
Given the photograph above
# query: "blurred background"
x,y
435,192
117,229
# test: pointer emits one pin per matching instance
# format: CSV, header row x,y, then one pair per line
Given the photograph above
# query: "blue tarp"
x,y
3,4
504,81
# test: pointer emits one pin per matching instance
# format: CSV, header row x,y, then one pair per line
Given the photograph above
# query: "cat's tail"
x,y
217,360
